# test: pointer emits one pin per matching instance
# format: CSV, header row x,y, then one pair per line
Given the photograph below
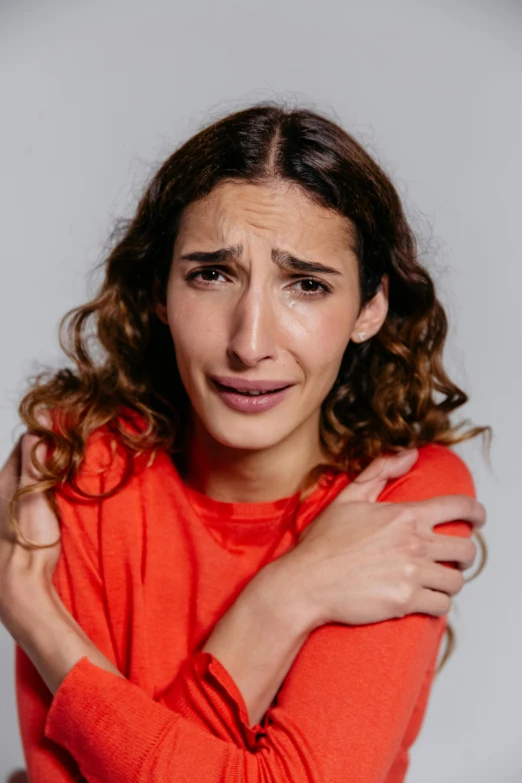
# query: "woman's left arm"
x,y
355,697
344,706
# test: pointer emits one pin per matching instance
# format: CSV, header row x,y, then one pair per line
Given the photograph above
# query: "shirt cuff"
x,y
93,709
205,693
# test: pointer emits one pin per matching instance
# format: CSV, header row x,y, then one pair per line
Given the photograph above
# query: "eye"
x,y
209,277
206,276
313,288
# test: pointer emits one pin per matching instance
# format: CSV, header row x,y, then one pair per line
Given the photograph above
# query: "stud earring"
x,y
360,335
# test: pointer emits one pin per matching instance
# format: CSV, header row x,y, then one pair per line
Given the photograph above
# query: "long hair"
x,y
384,398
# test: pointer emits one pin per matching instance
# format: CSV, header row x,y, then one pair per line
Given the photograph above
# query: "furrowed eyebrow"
x,y
288,261
279,257
214,257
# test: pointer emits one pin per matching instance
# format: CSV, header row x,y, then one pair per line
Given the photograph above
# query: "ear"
x,y
373,314
159,307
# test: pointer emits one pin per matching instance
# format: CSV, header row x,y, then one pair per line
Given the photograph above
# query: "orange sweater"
x,y
147,573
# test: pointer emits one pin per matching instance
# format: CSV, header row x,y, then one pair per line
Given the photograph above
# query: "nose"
x,y
253,328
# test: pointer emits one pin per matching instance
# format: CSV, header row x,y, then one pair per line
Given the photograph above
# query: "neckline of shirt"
x,y
266,513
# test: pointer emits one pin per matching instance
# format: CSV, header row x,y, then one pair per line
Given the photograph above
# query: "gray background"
x,y
94,95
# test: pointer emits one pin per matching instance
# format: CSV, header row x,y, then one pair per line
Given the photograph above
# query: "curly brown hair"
x,y
383,399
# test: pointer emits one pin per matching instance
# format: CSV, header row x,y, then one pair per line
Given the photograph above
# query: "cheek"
x,y
318,336
195,327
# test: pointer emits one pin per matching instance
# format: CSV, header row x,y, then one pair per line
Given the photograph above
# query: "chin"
x,y
248,435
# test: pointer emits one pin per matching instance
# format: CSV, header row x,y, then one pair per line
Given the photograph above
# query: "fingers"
x,y
453,549
9,481
18,467
445,580
440,585
432,602
36,522
10,471
448,508
372,480
29,472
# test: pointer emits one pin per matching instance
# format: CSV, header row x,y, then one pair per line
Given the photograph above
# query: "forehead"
x,y
280,212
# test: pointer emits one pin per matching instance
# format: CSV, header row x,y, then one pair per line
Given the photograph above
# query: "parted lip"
x,y
242,384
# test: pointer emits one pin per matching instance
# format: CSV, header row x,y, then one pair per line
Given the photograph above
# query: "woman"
x,y
227,600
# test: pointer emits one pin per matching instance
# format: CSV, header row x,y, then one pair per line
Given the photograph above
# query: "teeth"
x,y
251,393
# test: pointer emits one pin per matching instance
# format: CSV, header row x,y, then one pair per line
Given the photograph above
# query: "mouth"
x,y
251,396
249,392
250,388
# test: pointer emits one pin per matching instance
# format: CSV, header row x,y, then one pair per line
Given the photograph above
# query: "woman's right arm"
x,y
261,634
344,706
251,650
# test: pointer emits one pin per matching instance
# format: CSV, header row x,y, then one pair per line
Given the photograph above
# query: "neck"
x,y
247,476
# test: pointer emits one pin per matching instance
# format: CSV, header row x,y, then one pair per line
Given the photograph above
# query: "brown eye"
x,y
207,276
312,288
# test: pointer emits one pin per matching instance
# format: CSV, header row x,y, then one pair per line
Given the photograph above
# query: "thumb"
x,y
9,480
29,473
369,484
37,519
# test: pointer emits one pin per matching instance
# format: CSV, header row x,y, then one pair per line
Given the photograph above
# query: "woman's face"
x,y
241,310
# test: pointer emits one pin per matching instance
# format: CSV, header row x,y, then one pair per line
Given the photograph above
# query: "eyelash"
x,y
325,288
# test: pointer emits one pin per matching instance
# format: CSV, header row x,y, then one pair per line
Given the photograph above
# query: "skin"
x,y
251,318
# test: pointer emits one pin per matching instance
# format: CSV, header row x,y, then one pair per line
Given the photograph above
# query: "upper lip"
x,y
242,384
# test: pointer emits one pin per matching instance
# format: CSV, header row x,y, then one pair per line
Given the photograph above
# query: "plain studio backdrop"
x,y
95,95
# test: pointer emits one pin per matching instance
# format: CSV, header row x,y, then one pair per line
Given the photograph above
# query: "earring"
x,y
360,335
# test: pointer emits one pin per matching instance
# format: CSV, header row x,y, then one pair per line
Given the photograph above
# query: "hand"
x,y
30,607
362,562
25,571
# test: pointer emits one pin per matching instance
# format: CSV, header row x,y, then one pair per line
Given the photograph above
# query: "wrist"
x,y
258,638
28,604
283,587
54,641
51,641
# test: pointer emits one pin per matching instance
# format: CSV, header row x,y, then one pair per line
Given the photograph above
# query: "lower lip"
x,y
246,404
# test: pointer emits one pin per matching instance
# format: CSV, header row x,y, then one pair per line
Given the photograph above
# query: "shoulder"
x,y
99,497
104,461
438,471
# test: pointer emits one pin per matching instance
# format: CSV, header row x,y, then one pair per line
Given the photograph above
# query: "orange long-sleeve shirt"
x,y
147,573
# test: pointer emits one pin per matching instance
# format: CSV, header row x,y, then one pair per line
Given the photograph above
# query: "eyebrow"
x,y
280,257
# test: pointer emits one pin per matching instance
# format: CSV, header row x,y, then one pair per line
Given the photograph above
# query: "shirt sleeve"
x,y
344,708
78,582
